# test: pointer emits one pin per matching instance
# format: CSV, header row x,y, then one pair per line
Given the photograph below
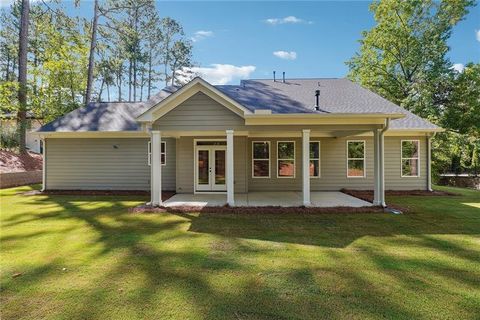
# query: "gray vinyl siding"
x,y
393,169
333,165
200,112
240,164
95,164
170,167
185,164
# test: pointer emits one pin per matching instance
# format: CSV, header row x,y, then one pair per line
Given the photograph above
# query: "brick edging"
x,y
16,179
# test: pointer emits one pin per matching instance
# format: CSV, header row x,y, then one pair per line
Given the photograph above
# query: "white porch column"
x,y
429,163
306,166
376,167
230,172
156,168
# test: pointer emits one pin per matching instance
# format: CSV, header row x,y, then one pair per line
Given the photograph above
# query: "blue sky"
x,y
234,40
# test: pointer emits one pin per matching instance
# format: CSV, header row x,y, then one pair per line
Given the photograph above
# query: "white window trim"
x,y
149,153
294,163
402,158
319,157
364,159
269,162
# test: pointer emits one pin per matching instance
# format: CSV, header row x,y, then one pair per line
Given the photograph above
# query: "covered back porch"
x,y
200,184
322,199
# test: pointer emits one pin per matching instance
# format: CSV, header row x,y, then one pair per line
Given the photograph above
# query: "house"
x,y
302,135
8,128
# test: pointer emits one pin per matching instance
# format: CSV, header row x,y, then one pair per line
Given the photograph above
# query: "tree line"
x,y
404,59
52,62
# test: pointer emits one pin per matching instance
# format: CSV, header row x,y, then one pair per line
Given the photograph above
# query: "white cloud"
x,y
201,34
292,55
217,73
289,19
477,35
458,67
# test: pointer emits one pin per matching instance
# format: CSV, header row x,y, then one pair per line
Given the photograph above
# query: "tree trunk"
x,y
149,74
130,80
119,84
22,75
135,79
91,58
108,92
142,83
7,73
99,99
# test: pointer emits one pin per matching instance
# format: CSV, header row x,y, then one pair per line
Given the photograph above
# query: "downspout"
x,y
44,163
382,163
429,161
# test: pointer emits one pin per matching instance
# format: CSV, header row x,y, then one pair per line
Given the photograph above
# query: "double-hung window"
x,y
410,158
163,153
285,159
261,159
355,159
315,159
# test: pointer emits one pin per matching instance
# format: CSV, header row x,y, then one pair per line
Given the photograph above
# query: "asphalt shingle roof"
x,y
106,116
336,96
293,96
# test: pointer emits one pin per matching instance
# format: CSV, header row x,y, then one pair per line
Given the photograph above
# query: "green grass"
x,y
86,257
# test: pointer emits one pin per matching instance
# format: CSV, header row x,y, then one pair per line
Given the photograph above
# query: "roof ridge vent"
x,y
263,111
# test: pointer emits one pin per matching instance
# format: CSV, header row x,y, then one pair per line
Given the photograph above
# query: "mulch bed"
x,y
165,195
255,210
367,195
13,162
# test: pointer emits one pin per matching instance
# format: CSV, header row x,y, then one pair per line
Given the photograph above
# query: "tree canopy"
x,y
404,59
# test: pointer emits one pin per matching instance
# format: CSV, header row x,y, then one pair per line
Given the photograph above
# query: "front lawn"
x,y
86,257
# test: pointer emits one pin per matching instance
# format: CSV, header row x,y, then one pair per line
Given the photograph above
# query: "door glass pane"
x,y
203,165
219,166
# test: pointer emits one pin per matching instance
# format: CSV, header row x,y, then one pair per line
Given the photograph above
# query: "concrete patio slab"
x,y
266,199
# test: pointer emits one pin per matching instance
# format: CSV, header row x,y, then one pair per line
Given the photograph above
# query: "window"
x,y
315,159
163,153
355,159
261,159
285,159
410,158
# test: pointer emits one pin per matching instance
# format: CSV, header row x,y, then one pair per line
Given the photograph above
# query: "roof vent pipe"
x,y
274,76
283,76
317,95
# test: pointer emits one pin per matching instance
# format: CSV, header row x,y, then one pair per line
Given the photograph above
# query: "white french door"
x,y
210,168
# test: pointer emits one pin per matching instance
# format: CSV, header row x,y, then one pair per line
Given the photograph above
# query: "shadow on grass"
x,y
297,293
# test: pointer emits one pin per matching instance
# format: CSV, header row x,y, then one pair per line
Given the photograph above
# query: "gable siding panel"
x,y
199,112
